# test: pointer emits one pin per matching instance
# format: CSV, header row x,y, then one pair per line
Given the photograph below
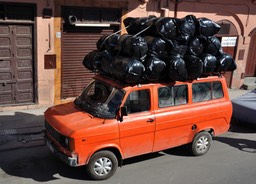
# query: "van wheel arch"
x,y
115,151
209,130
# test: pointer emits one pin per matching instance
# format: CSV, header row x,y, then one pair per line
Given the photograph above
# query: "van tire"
x,y
102,165
201,143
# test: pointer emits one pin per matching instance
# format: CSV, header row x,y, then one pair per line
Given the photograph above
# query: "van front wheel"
x,y
201,143
102,165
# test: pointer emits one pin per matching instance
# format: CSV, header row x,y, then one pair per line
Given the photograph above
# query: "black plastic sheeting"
x,y
244,107
161,49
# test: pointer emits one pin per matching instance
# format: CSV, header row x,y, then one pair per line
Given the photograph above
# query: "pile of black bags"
x,y
161,49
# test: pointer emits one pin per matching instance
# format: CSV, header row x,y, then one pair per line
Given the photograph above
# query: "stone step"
x,y
249,83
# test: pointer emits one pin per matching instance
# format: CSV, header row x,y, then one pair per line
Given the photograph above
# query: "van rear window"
x,y
172,95
206,91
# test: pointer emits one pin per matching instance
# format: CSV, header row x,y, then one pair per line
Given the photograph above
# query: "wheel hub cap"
x,y
102,166
202,144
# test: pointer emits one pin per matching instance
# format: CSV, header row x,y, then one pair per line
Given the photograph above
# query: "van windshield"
x,y
100,99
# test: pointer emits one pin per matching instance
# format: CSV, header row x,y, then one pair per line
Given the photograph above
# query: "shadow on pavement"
x,y
245,145
21,129
38,164
23,152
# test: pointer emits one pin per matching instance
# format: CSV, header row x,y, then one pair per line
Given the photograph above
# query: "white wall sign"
x,y
58,34
228,41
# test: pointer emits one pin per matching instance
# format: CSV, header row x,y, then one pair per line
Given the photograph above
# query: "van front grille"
x,y
56,135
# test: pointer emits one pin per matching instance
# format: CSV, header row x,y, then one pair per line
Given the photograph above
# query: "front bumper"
x,y
70,160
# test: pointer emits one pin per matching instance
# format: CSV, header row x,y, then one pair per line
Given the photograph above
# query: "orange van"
x,y
110,122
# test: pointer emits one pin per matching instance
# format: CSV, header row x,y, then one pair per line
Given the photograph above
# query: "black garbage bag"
x,y
176,69
197,45
137,25
154,68
194,66
106,67
108,42
101,43
213,46
207,27
128,70
129,21
156,47
209,62
178,49
92,60
186,29
133,46
225,62
233,66
164,27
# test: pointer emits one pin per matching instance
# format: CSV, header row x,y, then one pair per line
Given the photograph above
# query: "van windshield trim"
x,y
100,99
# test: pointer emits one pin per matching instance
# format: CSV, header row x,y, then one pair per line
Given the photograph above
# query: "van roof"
x,y
119,84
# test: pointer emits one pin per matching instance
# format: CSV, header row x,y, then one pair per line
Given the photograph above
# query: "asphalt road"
x,y
231,160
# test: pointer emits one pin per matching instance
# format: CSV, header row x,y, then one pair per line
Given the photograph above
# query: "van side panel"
x,y
216,117
89,141
178,125
173,127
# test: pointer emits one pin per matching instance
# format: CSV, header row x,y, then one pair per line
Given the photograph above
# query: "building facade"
x,y
43,42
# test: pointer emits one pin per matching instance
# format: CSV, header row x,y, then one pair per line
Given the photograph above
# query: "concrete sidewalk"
x,y
23,128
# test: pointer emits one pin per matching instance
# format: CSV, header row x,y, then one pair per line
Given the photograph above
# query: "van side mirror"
x,y
124,112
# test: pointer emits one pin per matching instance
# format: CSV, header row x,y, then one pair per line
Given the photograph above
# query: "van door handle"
x,y
150,120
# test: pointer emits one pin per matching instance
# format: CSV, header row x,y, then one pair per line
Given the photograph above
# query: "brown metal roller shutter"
x,y
76,43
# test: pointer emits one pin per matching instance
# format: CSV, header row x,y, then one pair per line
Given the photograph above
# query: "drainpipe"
x,y
164,7
176,2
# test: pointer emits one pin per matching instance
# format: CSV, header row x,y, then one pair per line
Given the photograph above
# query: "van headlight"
x,y
67,143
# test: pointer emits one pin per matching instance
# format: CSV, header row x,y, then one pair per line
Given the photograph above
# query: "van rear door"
x,y
174,125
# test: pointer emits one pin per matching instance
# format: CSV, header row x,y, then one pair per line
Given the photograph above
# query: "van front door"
x,y
137,129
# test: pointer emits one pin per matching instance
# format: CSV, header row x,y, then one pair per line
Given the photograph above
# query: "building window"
x,y
11,11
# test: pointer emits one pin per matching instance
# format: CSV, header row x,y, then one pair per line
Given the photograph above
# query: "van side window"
x,y
138,101
172,95
201,91
180,94
217,91
206,91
